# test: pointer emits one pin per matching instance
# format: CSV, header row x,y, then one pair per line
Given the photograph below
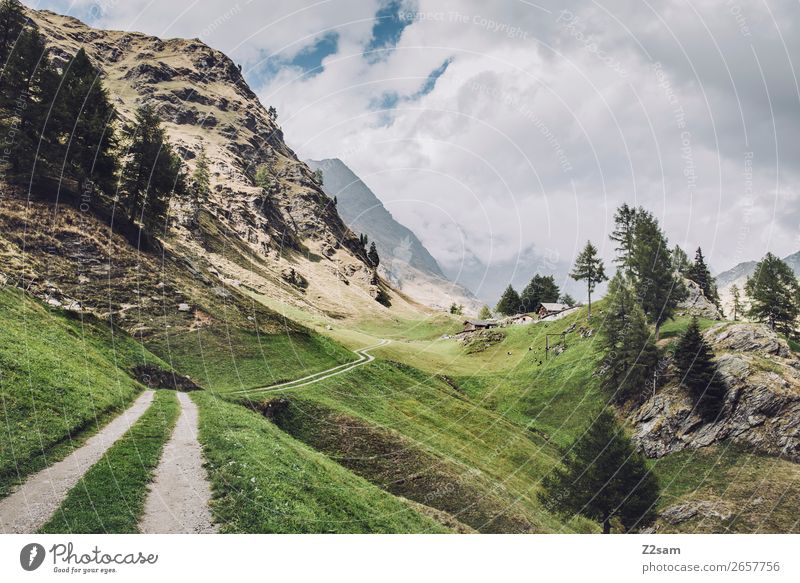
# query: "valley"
x,y
246,362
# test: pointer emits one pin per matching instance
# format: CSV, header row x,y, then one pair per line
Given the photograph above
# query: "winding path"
x,y
364,357
178,501
32,504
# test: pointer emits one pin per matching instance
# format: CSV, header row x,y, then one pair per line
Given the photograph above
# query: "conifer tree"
x,y
698,372
372,255
603,478
152,173
657,288
630,354
30,81
774,295
623,236
509,303
589,268
737,306
680,261
82,118
485,313
541,288
567,300
699,273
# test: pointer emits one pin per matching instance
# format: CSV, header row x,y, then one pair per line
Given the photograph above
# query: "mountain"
x,y
405,261
286,243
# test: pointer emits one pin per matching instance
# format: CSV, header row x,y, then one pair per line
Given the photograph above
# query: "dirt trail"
x,y
180,493
32,504
364,357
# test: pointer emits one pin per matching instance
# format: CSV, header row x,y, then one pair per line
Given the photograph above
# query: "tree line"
x,y
60,127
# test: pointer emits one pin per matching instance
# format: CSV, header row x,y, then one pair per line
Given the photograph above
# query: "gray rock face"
x,y
762,406
696,303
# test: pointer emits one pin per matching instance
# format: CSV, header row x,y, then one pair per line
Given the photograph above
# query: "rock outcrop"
x,y
762,406
697,304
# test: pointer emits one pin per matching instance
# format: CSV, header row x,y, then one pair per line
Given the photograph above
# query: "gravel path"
x,y
364,357
180,493
32,503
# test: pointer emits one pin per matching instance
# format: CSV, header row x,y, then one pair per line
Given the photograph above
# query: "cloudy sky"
x,y
509,131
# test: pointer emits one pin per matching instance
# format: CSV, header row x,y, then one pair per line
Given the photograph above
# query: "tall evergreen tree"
x,y
372,255
603,477
12,22
698,372
623,235
509,303
658,289
630,353
485,313
699,273
541,288
737,305
31,82
82,117
774,295
680,261
589,268
152,172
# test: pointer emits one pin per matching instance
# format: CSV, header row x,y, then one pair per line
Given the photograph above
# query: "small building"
x,y
472,325
521,319
548,309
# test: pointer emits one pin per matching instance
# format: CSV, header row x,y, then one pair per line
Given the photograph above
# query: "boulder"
x,y
696,303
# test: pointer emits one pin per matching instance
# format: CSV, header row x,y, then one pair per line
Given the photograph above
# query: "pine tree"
x,y
603,478
152,173
201,182
567,300
630,354
698,372
31,82
658,289
12,23
82,118
589,268
456,309
372,255
509,303
541,288
699,273
774,295
485,313
623,234
737,306
263,178
680,261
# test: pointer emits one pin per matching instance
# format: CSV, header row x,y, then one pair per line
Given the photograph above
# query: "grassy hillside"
x,y
61,377
228,359
264,481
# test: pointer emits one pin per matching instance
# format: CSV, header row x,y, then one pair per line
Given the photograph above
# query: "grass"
x,y
111,495
223,359
748,492
61,378
265,481
494,461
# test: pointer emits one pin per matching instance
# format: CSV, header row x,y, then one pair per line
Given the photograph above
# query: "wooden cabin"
x,y
548,309
473,325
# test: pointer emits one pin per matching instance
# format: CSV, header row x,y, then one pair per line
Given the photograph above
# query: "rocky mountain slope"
x,y
762,406
405,261
285,243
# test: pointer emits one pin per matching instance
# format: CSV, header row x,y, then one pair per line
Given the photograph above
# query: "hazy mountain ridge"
x,y
405,261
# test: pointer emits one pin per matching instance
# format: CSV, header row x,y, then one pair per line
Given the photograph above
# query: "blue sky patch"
x,y
386,32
